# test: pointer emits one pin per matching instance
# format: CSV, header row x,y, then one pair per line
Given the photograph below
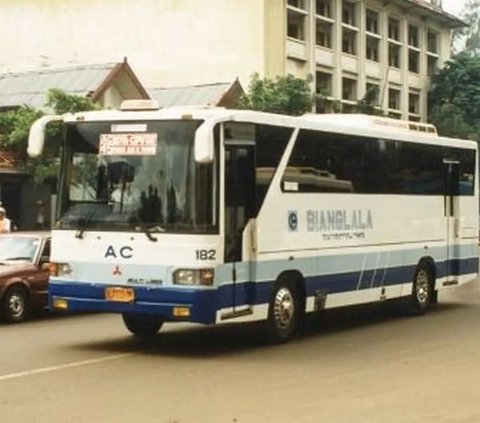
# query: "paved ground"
x,y
366,365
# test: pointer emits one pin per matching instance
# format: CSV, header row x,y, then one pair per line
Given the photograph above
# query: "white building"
x,y
347,45
354,45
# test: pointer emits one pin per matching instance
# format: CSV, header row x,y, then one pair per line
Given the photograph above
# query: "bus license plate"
x,y
120,295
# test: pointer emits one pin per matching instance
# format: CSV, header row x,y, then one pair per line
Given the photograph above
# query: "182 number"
x,y
205,255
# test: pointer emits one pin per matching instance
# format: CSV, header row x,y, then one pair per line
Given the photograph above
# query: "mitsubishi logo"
x,y
117,271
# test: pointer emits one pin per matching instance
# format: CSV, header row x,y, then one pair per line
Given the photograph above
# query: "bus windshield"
x,y
128,176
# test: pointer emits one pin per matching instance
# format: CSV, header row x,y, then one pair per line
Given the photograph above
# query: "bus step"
x,y
237,313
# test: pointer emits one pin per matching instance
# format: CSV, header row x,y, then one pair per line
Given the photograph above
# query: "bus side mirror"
x,y
36,136
203,143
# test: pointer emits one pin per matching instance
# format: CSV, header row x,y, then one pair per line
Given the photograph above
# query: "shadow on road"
x,y
210,341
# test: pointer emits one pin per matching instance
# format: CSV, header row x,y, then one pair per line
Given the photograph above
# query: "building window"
x,y
323,83
432,64
372,21
432,42
349,41
414,61
393,99
348,13
296,25
324,8
372,47
323,34
414,103
373,93
349,89
413,36
394,29
394,53
299,4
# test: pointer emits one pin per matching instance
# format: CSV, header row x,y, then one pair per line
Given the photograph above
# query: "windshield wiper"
x,y
144,227
82,223
17,258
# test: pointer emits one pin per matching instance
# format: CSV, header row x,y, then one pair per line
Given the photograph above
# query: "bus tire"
x,y
423,289
15,304
283,311
142,326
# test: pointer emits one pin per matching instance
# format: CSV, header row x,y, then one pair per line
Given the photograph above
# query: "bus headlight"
x,y
60,269
193,277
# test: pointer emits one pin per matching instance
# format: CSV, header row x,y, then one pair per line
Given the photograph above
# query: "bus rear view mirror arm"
x,y
36,136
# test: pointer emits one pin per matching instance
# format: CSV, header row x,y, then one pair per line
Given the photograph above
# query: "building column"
x,y
337,48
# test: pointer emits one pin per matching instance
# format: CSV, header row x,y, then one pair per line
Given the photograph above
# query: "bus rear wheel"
x,y
423,289
283,312
142,326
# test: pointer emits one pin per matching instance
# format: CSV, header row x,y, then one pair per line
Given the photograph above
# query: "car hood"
x,y
8,270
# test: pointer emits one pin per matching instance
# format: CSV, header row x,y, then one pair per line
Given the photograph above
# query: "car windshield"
x,y
16,248
136,176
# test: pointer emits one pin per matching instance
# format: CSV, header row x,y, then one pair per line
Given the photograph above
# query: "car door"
x,y
39,276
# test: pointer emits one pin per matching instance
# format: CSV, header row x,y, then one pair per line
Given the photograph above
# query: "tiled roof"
x,y
195,95
30,88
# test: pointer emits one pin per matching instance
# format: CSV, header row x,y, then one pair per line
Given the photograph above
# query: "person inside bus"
x,y
124,198
5,223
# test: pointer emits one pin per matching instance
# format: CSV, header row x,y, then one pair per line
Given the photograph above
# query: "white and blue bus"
x,y
211,215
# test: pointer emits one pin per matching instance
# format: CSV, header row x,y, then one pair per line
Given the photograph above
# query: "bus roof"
x,y
357,124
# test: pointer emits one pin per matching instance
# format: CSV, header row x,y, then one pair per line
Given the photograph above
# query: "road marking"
x,y
62,367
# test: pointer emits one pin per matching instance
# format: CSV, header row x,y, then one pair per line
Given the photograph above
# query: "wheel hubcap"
x,y
422,287
16,305
284,308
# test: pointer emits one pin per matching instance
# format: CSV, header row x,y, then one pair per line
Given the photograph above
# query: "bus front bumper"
x,y
170,304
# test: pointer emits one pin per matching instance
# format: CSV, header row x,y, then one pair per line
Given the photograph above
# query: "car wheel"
x,y
15,304
283,312
422,292
142,325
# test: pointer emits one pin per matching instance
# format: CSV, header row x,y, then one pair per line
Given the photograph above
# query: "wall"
x,y
167,42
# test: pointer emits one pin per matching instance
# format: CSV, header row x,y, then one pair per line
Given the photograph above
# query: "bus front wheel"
x,y
283,311
142,325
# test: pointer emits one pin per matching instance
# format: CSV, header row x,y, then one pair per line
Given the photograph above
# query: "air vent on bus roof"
x,y
369,121
138,105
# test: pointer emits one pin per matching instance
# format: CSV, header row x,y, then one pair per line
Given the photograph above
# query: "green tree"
x,y
15,126
455,97
369,103
61,102
285,95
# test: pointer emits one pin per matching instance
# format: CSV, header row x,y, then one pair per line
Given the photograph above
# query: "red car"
x,y
24,274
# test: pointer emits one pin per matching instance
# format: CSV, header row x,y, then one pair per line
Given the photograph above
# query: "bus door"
x,y
239,209
452,217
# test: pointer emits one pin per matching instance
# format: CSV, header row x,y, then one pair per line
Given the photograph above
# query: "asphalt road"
x,y
368,364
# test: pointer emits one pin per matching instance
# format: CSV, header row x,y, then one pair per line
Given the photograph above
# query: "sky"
x,y
453,6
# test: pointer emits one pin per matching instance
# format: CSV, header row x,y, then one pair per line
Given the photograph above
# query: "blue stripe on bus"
x,y
203,303
266,270
260,292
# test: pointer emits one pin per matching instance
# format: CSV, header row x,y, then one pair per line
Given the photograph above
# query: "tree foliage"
x,y
369,103
285,95
61,102
15,126
455,97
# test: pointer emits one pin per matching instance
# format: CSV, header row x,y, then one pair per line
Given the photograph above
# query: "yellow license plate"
x,y
120,295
